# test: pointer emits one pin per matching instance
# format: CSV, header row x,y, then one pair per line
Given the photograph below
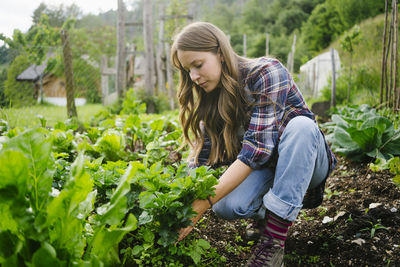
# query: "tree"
x,y
322,27
291,19
4,54
354,11
36,44
57,15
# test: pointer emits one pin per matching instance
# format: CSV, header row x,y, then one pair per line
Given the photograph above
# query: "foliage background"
x,y
318,25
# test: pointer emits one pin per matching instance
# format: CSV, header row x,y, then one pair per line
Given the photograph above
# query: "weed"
x,y
349,219
374,228
304,215
322,211
329,193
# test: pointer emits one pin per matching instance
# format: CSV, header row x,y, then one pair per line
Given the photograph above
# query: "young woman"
x,y
249,113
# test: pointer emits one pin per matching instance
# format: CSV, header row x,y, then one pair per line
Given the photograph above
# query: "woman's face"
x,y
204,68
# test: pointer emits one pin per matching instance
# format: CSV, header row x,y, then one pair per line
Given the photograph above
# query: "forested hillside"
x,y
316,23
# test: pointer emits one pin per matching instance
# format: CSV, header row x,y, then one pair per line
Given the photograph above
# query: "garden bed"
x,y
356,225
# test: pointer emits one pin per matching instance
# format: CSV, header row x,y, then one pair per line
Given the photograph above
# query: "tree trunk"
x,y
121,53
148,45
160,52
69,78
41,91
170,76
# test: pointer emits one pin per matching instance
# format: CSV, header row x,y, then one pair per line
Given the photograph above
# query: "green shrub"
x,y
365,84
19,93
154,104
131,104
3,78
393,165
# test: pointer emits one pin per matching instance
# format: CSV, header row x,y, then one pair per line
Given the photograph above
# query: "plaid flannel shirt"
x,y
276,100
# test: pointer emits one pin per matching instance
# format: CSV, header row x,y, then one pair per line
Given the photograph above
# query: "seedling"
x,y
374,228
329,194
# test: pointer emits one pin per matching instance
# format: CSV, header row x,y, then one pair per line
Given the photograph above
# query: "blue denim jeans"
x,y
302,163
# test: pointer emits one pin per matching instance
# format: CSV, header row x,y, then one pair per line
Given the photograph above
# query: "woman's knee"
x,y
301,126
230,209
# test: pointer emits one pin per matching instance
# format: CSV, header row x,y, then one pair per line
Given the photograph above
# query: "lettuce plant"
x,y
361,134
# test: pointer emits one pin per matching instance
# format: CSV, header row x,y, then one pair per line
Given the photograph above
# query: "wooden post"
x,y
69,77
130,73
148,44
383,70
396,91
333,92
170,76
290,61
104,78
387,82
390,48
244,45
41,91
121,53
267,44
160,52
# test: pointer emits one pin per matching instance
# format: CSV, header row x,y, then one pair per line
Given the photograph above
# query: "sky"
x,y
17,14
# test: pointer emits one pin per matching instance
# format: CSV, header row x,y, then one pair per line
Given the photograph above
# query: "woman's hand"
x,y
232,177
199,206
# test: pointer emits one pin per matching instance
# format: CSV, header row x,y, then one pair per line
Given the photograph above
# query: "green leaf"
x,y
377,122
106,240
137,250
392,144
13,174
367,139
148,236
7,221
66,213
145,217
196,256
157,125
45,256
37,148
146,199
113,212
396,180
203,244
343,139
9,244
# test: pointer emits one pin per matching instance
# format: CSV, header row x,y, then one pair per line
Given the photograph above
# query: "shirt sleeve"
x,y
269,87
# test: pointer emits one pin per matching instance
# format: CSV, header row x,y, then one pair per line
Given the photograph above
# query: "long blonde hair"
x,y
223,110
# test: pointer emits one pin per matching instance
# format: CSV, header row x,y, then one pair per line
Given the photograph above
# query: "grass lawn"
x,y
27,117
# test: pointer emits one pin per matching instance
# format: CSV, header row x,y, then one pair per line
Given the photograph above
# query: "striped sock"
x,y
277,228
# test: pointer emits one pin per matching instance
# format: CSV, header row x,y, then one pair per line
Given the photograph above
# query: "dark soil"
x,y
364,209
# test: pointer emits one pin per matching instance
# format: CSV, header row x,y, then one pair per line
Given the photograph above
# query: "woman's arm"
x,y
233,176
